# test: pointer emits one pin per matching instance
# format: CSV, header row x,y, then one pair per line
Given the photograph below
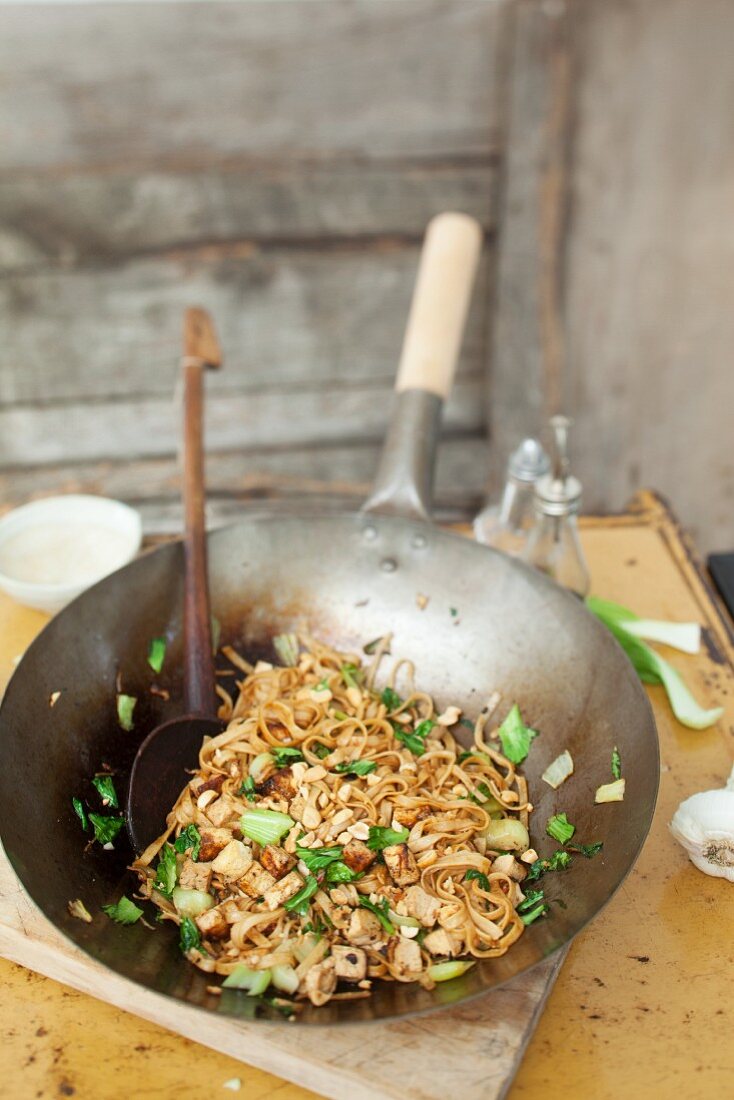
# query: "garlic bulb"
x,y
704,825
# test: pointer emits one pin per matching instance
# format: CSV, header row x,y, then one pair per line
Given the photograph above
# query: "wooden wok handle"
x,y
440,303
201,350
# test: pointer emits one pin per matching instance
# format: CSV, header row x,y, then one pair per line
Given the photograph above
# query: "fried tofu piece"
x,y
213,783
195,876
222,812
256,880
401,864
422,905
320,982
282,891
213,925
279,785
407,816
233,860
276,860
212,842
441,942
350,963
357,856
508,865
406,959
364,929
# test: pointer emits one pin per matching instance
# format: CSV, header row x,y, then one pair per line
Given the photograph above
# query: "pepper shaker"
x,y
554,546
507,525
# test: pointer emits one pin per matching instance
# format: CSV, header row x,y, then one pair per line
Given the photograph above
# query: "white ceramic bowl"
x,y
107,533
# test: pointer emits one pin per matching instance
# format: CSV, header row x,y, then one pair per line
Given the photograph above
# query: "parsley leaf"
x,y
340,872
390,698
381,837
320,750
516,736
124,912
531,915
189,935
106,828
560,828
125,708
80,812
157,653
380,910
356,767
414,739
559,861
106,789
247,788
480,877
586,850
166,873
190,837
318,858
299,903
530,899
284,755
616,763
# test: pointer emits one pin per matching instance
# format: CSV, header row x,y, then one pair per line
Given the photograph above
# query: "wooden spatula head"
x,y
200,339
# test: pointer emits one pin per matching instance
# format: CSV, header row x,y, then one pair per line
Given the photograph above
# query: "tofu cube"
x,y
422,905
350,962
222,812
256,881
233,860
213,925
282,891
357,856
195,876
440,942
407,959
364,929
276,860
212,842
401,864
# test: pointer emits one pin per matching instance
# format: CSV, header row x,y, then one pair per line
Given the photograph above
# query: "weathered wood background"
x,y
277,162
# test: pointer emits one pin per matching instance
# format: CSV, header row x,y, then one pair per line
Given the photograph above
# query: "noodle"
x,y
374,874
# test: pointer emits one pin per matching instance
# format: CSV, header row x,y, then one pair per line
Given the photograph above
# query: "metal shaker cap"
x,y
529,461
558,493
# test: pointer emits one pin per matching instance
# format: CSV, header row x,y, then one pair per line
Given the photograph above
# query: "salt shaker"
x,y
507,525
553,545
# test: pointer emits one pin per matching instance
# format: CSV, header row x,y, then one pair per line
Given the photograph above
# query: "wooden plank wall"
x,y
278,162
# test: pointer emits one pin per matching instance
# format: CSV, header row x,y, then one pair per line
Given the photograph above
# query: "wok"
x,y
490,623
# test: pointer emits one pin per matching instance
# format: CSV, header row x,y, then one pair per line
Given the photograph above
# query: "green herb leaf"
x,y
299,903
532,914
586,850
351,675
189,937
166,872
125,708
654,669
80,812
453,612
323,685
286,646
318,858
157,653
265,826
483,790
106,828
190,837
424,728
530,899
380,910
356,767
616,763
284,755
381,837
516,736
559,861
390,698
479,876
124,912
409,739
247,788
560,828
340,872
106,789
321,750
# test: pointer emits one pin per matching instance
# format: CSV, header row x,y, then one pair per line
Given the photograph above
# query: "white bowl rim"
x,y
87,505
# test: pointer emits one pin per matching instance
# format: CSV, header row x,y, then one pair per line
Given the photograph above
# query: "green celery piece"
x,y
105,788
125,708
265,826
683,636
560,828
124,912
515,736
157,653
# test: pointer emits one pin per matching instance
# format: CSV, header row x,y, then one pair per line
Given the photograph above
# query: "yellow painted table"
x,y
643,1005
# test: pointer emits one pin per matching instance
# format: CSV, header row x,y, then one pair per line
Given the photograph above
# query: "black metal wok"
x,y
349,578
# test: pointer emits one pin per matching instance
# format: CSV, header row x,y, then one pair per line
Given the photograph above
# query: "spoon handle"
x,y
201,350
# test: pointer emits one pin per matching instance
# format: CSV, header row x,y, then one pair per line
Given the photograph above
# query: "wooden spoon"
x,y
159,770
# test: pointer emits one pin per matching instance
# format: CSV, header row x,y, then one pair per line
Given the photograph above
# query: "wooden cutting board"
x,y
404,1059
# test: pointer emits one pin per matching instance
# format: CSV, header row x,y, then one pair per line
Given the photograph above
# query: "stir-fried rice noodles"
x,y
386,851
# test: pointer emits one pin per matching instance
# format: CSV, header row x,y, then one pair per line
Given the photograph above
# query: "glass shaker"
x,y
553,545
507,525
